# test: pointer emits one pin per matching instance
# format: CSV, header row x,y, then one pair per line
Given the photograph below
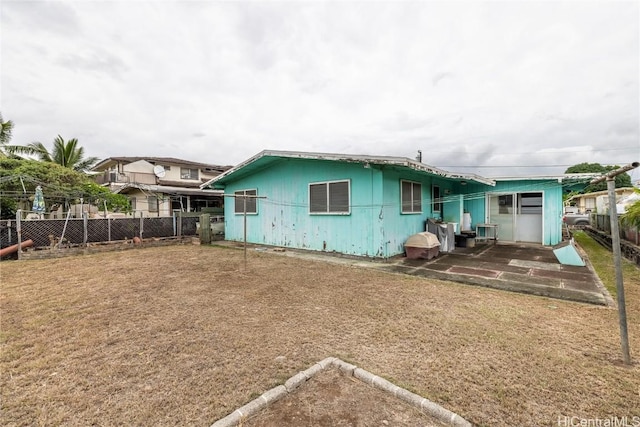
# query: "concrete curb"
x,y
237,417
518,287
605,292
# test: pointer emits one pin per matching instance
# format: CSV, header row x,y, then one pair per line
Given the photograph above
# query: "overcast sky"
x,y
495,88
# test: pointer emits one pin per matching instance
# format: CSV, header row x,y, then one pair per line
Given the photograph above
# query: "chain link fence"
x,y
81,231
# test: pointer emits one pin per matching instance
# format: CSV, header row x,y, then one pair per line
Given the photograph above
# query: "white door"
x,y
502,212
518,216
529,217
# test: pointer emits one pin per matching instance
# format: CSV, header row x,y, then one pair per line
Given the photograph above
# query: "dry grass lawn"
x,y
184,335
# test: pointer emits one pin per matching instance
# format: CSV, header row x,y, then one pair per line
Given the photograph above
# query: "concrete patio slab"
x,y
524,268
535,264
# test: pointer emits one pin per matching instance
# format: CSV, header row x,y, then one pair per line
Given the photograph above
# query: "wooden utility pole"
x,y
617,255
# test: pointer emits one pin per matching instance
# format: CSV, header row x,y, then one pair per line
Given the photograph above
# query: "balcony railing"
x,y
126,178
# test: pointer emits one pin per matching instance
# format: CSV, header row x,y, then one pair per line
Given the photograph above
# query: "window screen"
x,y
437,201
186,173
152,202
411,195
252,206
530,203
329,197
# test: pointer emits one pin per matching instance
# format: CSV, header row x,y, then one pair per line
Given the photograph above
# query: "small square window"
x,y
186,173
252,206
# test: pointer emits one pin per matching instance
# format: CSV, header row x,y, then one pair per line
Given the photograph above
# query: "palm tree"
x,y
6,128
65,153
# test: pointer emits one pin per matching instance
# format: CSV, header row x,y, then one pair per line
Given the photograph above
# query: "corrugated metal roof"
x,y
259,160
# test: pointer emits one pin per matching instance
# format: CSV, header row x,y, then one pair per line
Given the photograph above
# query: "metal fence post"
x,y
141,226
180,224
173,217
109,229
85,226
19,232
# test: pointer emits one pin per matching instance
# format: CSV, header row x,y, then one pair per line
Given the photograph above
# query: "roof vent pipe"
x,y
419,156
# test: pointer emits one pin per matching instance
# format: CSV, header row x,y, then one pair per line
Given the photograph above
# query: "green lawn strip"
x,y
602,260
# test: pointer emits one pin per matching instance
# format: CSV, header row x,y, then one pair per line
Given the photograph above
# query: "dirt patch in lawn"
x,y
185,335
331,398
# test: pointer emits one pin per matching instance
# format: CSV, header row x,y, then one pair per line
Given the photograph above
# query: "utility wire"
x,y
540,151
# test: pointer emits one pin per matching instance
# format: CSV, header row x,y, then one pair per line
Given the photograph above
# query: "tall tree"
x,y
622,180
19,178
6,128
65,153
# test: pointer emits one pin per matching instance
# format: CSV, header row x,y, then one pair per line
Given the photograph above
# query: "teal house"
x,y
369,205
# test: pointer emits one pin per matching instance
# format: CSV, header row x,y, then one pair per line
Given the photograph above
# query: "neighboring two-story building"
x,y
596,202
159,186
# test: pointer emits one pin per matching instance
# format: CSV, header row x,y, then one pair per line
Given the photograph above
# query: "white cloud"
x,y
487,84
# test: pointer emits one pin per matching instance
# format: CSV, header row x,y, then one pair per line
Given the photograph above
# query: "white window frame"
x,y
402,208
241,202
328,184
153,204
437,204
183,175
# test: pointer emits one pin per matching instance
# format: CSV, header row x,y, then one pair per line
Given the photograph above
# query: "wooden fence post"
x,y
205,229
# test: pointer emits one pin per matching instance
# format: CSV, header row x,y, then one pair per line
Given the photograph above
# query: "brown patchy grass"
x,y
184,335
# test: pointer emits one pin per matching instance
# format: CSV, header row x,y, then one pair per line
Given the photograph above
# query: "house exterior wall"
x,y
375,226
142,205
475,203
590,202
139,166
283,219
171,173
398,226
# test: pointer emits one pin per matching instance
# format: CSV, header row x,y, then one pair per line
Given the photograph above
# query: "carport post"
x,y
617,255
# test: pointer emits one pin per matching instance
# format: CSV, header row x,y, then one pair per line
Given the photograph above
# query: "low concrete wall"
x,y
628,249
91,248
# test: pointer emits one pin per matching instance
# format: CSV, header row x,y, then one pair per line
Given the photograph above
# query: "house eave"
x,y
559,178
351,158
185,191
